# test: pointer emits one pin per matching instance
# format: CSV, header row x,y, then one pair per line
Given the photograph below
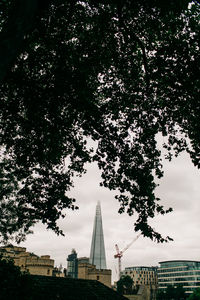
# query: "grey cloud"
x,y
179,188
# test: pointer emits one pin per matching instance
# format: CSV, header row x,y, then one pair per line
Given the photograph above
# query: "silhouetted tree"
x,y
125,285
160,295
116,72
13,284
172,293
195,295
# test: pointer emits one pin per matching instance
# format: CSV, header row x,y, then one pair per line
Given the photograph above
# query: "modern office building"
x,y
142,275
72,265
179,272
97,251
144,284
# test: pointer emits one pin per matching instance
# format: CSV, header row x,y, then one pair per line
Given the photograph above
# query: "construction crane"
x,y
120,253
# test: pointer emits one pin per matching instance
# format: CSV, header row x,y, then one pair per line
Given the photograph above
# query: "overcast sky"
x,y
180,188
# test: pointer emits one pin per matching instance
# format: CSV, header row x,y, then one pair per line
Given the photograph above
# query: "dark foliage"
x,y
116,72
51,288
17,286
125,285
172,293
13,284
195,295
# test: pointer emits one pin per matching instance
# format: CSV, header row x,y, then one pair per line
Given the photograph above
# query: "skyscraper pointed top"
x,y
98,208
97,251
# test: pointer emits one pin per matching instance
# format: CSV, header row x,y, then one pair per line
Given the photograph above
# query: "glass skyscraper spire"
x,y
97,251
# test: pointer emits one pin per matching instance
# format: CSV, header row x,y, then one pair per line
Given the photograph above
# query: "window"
x,y
97,277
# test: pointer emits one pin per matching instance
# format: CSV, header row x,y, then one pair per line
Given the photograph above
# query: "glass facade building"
x,y
179,272
97,251
72,265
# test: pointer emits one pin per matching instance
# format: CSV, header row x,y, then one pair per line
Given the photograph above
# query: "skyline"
x,y
179,188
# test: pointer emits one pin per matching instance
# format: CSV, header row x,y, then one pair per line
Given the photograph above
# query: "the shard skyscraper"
x,y
97,251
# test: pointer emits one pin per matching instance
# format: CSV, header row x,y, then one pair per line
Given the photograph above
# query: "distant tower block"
x,y
72,264
97,251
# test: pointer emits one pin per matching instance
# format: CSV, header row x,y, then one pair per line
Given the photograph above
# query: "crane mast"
x,y
119,253
119,256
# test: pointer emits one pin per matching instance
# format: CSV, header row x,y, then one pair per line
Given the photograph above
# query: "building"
x,y
83,260
144,282
179,272
95,267
28,262
97,251
142,275
57,272
89,271
42,265
72,265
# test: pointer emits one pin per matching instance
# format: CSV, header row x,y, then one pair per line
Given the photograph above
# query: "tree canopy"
x,y
125,285
172,293
195,295
115,72
13,283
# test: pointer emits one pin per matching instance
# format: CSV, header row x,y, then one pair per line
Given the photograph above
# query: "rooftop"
x,y
52,288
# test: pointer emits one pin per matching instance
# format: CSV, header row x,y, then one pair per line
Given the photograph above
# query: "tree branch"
x,y
136,38
20,22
